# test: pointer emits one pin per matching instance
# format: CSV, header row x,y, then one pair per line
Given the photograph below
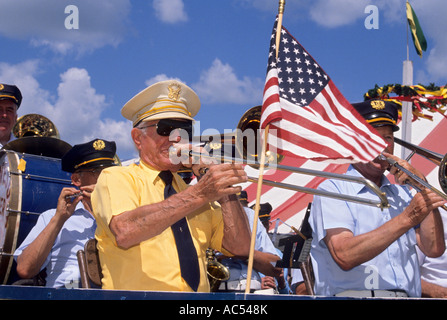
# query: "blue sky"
x,y
80,78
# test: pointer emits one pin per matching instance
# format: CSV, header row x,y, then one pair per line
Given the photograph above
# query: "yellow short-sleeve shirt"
x,y
153,264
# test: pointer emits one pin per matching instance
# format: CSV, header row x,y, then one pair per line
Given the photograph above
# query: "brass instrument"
x,y
37,135
237,142
251,120
415,181
437,158
216,271
32,125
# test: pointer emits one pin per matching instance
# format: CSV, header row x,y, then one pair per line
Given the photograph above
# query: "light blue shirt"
x,y
62,264
434,270
395,268
238,268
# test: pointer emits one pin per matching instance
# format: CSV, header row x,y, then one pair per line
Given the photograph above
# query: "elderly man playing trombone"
x,y
363,251
153,230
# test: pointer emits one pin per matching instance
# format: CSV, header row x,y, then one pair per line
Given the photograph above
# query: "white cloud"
x,y
78,107
101,23
431,15
160,77
433,23
437,64
335,13
170,11
77,110
338,13
35,99
220,84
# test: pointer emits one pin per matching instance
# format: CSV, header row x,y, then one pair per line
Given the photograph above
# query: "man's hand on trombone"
x,y
219,182
426,200
198,164
216,180
399,175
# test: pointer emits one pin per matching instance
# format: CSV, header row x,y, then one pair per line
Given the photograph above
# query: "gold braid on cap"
x,y
168,108
381,119
93,160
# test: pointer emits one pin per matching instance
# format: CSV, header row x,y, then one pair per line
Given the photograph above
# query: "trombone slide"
x,y
382,203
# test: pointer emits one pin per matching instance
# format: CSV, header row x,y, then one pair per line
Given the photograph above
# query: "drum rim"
x,y
13,219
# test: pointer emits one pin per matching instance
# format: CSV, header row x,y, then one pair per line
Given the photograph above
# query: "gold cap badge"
x,y
174,91
98,145
378,104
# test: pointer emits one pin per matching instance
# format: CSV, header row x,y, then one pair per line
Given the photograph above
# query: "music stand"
x,y
296,252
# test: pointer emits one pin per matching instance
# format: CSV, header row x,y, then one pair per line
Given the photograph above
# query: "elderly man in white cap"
x,y
152,229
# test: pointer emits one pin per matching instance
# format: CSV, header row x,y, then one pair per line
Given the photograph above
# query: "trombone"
x,y
250,121
437,158
434,157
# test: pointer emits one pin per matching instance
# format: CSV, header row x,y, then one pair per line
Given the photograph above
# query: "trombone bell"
x,y
251,120
244,142
442,174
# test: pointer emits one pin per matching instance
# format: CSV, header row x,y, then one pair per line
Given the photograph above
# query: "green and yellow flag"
x,y
416,31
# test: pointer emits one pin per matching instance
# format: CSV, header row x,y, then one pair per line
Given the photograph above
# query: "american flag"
x,y
309,118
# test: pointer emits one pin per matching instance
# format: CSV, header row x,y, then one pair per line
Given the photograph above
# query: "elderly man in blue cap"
x,y
10,100
363,251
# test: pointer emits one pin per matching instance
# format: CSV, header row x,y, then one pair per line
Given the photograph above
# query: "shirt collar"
x,y
358,186
153,173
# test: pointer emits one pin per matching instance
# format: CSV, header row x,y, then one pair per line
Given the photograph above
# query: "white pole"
x,y
407,107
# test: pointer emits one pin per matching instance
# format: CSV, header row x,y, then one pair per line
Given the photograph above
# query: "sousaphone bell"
x,y
37,135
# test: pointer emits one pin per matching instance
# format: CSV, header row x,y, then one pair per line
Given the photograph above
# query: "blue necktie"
x,y
189,262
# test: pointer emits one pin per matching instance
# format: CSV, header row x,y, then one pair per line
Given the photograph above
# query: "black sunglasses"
x,y
166,126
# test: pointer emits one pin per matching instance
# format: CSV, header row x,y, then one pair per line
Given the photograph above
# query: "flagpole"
x,y
261,166
408,48
407,106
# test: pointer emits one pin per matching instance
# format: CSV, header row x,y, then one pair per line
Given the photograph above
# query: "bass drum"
x,y
29,185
